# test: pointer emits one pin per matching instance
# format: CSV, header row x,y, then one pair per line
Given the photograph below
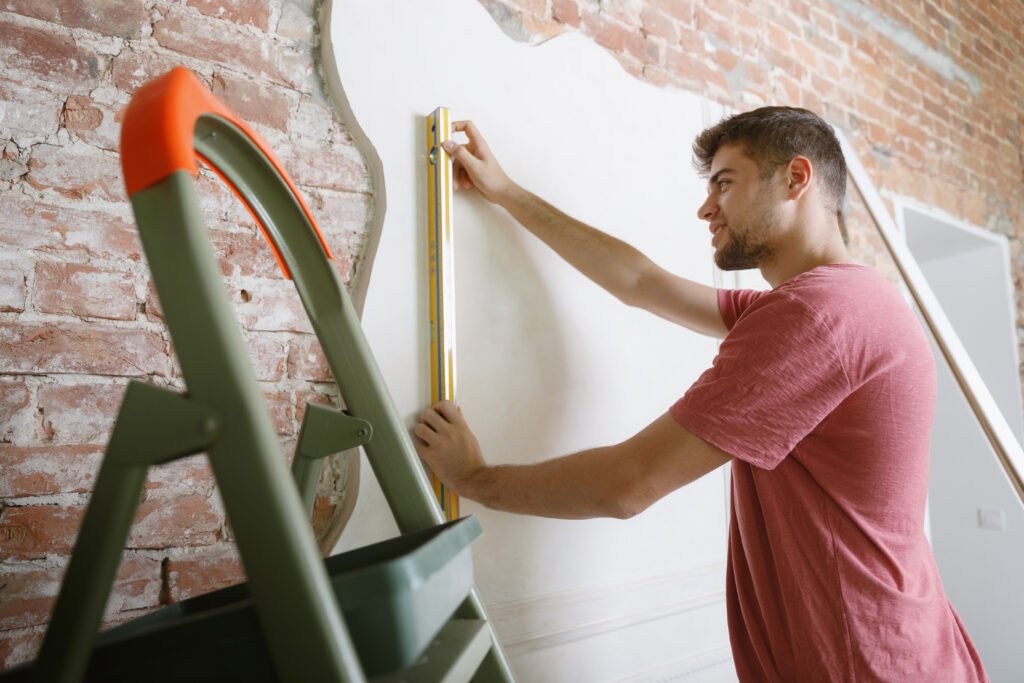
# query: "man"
x,y
821,396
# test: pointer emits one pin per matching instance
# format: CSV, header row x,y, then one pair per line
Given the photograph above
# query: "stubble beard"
x,y
751,247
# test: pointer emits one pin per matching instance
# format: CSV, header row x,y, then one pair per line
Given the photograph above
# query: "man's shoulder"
x,y
843,290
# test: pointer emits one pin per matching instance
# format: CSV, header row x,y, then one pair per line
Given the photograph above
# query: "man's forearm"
x,y
611,263
580,486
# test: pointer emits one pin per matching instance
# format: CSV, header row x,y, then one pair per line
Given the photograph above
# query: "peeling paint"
x,y
905,38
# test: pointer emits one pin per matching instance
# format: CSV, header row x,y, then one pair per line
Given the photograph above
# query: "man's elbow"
x,y
628,502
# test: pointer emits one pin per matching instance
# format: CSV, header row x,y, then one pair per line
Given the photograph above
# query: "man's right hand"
x,y
475,165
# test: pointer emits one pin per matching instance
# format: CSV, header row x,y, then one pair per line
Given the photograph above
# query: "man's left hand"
x,y
447,445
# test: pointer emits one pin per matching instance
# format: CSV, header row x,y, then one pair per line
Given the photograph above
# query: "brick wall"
x,y
78,314
930,93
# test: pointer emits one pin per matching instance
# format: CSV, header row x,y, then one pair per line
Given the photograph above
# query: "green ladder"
x,y
402,610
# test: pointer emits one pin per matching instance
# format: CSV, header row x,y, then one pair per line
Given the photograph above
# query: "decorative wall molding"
x,y
555,619
690,667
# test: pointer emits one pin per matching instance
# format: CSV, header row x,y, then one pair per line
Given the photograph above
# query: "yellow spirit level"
x,y
441,254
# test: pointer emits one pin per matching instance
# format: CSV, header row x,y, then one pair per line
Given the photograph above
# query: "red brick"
x,y
190,475
625,12
218,204
253,12
131,69
296,22
71,232
76,289
28,109
605,32
658,76
271,305
693,46
784,62
28,53
337,169
14,405
566,11
47,470
657,24
123,18
252,101
343,214
78,413
76,348
219,42
13,162
281,405
79,114
633,66
29,590
788,89
680,10
154,311
643,49
727,60
19,647
807,55
192,575
77,171
190,520
244,253
268,354
34,531
306,360
13,289
94,122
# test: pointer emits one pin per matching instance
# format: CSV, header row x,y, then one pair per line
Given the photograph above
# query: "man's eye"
x,y
722,184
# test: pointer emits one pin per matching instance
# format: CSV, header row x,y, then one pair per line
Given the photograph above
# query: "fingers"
x,y
462,155
440,416
476,139
425,434
449,411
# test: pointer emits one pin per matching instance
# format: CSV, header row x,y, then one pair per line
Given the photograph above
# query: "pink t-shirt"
x,y
824,394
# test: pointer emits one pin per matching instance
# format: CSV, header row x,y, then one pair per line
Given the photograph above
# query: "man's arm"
x,y
613,481
616,266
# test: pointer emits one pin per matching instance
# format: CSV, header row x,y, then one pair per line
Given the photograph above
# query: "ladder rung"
x,y
453,657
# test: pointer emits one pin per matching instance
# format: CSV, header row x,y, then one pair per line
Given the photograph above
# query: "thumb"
x,y
460,153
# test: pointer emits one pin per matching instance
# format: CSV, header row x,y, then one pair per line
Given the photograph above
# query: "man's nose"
x,y
707,210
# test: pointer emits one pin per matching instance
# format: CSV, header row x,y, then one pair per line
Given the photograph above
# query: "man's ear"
x,y
799,174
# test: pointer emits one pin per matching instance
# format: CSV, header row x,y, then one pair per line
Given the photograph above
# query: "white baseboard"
x,y
711,665
556,619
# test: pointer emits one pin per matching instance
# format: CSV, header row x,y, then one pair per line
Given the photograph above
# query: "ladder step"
x,y
453,657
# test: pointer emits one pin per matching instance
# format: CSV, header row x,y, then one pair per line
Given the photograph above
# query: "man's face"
x,y
741,211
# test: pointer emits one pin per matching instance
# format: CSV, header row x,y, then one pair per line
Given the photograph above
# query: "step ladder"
x,y
402,610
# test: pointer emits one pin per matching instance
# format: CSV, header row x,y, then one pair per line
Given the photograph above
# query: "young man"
x,y
821,396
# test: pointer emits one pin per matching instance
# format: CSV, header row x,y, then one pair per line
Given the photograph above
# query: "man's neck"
x,y
787,265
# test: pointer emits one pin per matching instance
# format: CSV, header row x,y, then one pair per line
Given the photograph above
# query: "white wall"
x,y
981,568
548,363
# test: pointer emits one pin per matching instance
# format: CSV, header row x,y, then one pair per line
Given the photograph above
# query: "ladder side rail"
x,y
170,122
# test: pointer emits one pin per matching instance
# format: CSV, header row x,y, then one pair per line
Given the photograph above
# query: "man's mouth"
x,y
715,232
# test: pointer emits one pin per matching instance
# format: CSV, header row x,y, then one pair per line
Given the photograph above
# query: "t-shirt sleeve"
x,y
777,375
732,303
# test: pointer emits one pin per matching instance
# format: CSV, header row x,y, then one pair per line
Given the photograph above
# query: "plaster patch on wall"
x,y
905,38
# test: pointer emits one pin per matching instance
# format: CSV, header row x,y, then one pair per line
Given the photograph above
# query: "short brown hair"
x,y
772,137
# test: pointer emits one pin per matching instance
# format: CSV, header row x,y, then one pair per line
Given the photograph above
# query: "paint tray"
x,y
395,596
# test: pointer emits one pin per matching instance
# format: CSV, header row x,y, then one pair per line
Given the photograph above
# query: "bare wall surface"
x,y
547,362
